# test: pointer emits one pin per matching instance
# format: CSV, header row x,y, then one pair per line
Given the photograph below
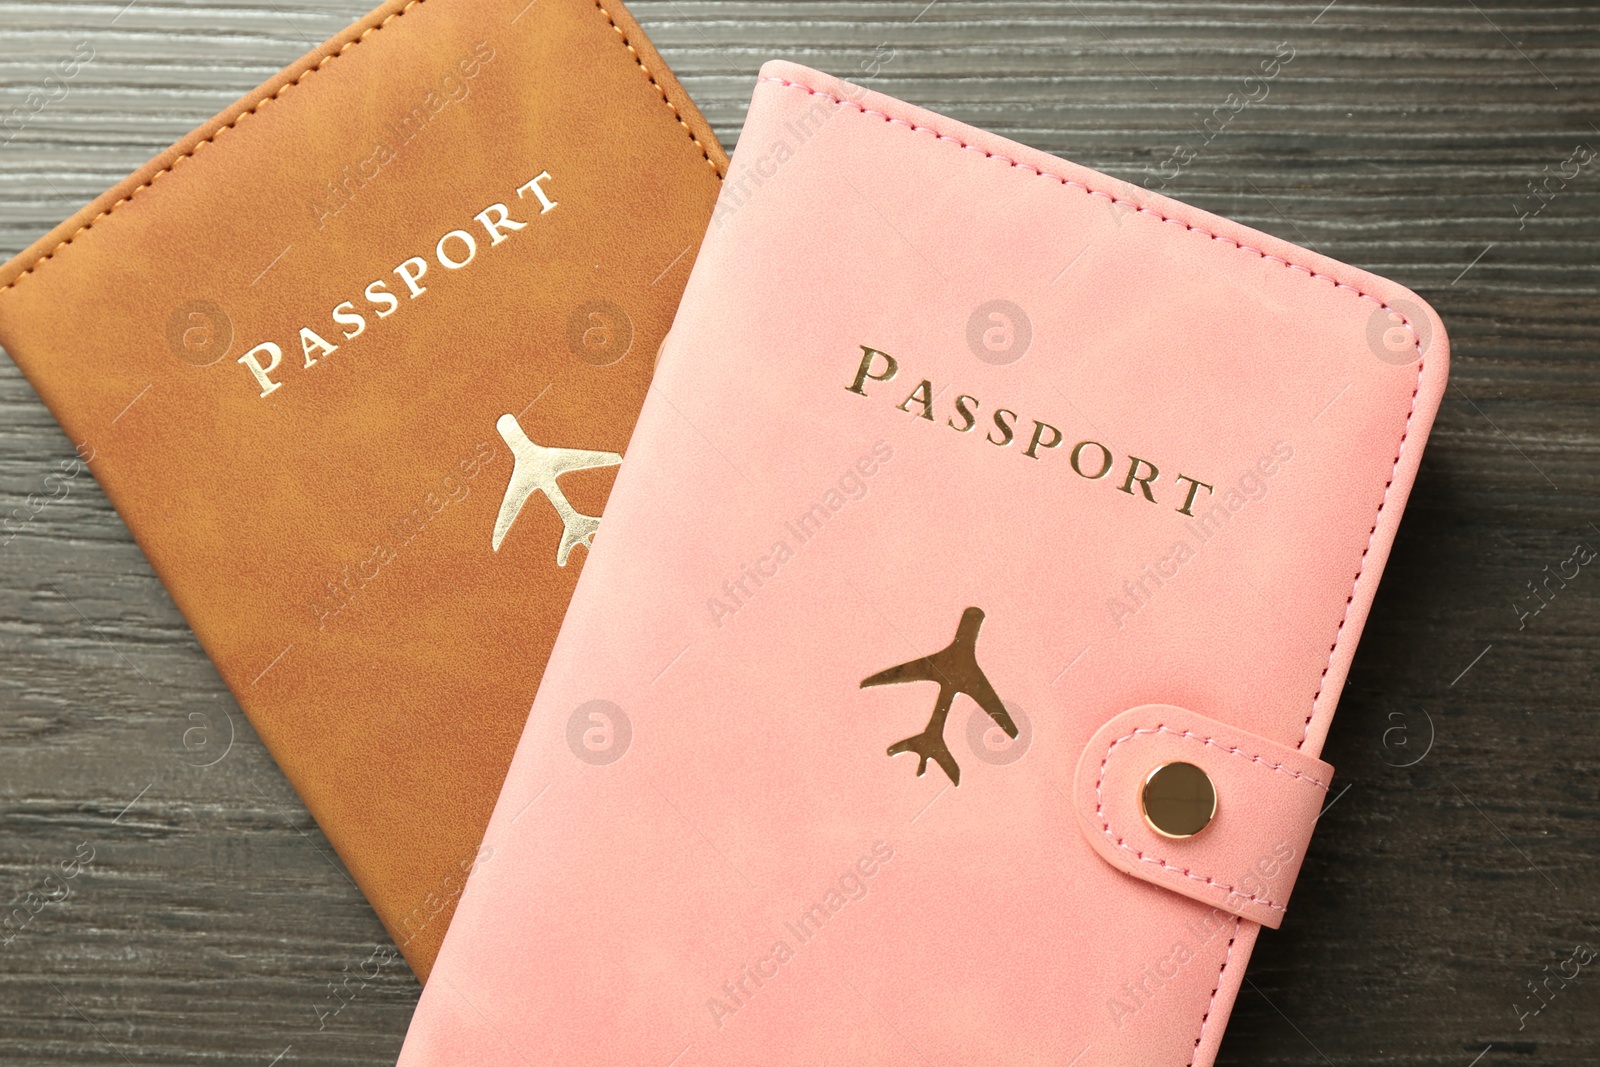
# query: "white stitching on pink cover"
x,y
1105,823
1214,743
1338,634
1227,959
1139,208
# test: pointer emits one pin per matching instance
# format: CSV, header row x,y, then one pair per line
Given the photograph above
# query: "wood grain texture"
x,y
1401,138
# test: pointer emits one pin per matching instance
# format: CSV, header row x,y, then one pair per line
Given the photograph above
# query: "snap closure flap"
x,y
1207,810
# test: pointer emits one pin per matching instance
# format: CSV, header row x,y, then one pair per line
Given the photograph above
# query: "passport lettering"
x,y
381,297
1135,475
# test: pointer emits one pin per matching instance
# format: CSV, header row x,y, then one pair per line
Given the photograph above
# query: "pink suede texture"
x,y
631,910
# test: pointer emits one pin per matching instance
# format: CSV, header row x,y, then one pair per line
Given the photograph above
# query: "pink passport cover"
x,y
705,854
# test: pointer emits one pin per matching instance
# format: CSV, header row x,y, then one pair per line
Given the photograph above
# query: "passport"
x,y
949,681
356,361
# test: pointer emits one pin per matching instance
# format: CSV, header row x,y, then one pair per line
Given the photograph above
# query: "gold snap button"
x,y
1178,800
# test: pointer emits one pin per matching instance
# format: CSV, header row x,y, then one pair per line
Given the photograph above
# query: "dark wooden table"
x,y
1458,865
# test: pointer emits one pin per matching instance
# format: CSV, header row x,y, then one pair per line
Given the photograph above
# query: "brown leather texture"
x,y
330,542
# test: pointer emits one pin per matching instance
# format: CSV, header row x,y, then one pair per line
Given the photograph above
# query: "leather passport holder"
x,y
354,361
948,684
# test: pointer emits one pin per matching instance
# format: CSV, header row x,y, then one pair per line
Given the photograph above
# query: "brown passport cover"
x,y
331,542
